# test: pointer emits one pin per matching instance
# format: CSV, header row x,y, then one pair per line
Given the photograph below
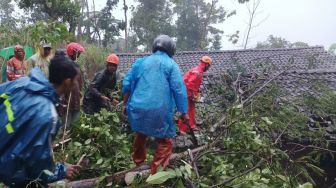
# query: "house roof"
x,y
251,60
299,66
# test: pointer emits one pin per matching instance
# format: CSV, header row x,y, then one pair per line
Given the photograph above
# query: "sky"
x,y
310,21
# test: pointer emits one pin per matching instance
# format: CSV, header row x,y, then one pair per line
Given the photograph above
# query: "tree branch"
x,y
240,175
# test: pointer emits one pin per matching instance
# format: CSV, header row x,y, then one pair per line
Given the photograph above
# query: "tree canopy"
x,y
279,42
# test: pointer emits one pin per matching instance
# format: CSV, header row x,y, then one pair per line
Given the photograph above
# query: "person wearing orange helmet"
x,y
193,80
98,95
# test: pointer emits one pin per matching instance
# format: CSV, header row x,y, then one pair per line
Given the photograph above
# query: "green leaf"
x,y
267,120
109,184
100,161
77,144
87,142
160,168
158,178
178,172
116,119
306,185
47,172
239,106
97,129
316,169
188,167
172,173
179,184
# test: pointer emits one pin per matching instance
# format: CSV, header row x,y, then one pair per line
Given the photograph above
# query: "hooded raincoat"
x,y
156,87
28,123
37,60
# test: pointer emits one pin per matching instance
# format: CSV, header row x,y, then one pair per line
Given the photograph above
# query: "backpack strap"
x,y
9,111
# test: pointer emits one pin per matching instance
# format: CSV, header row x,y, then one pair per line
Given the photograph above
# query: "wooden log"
x,y
119,176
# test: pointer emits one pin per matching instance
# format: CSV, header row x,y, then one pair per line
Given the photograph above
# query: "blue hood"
x,y
39,84
26,150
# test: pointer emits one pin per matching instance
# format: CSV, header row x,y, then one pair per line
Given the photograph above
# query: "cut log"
x,y
118,177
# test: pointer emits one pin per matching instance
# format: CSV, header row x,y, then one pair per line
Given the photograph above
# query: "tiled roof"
x,y
253,60
301,66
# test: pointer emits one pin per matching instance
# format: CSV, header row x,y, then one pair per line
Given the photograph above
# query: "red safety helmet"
x,y
112,59
74,47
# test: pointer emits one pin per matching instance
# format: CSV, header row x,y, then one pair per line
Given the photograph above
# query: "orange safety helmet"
x,y
112,59
74,47
206,59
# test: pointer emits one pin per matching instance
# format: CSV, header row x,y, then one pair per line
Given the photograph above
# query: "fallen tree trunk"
x,y
118,177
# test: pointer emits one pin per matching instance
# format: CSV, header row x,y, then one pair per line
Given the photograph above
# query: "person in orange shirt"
x,y
16,66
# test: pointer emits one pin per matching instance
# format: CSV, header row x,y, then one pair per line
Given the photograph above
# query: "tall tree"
x,y
151,19
332,48
126,28
65,10
252,9
216,43
195,22
6,10
108,23
82,5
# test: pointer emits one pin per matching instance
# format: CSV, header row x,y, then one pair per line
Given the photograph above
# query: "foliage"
x,y
54,32
108,24
278,42
253,148
104,141
216,42
179,173
6,14
58,10
151,19
195,22
323,105
332,48
92,61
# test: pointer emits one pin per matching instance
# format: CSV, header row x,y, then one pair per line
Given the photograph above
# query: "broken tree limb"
x,y
130,176
262,87
240,175
193,162
61,143
118,177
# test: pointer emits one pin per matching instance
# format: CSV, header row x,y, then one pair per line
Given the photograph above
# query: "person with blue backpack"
x,y
152,88
29,123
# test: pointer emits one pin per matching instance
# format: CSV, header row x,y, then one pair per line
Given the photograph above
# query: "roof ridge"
x,y
230,51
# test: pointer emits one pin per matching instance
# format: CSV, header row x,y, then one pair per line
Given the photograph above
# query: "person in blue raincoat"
x,y
29,123
152,88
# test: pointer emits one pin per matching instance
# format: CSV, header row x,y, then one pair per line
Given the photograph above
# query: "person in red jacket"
x,y
193,80
16,66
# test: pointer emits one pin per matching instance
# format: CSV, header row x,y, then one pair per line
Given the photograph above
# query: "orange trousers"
x,y
162,154
192,115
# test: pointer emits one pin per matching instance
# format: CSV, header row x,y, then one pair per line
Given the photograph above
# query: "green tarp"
x,y
6,53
